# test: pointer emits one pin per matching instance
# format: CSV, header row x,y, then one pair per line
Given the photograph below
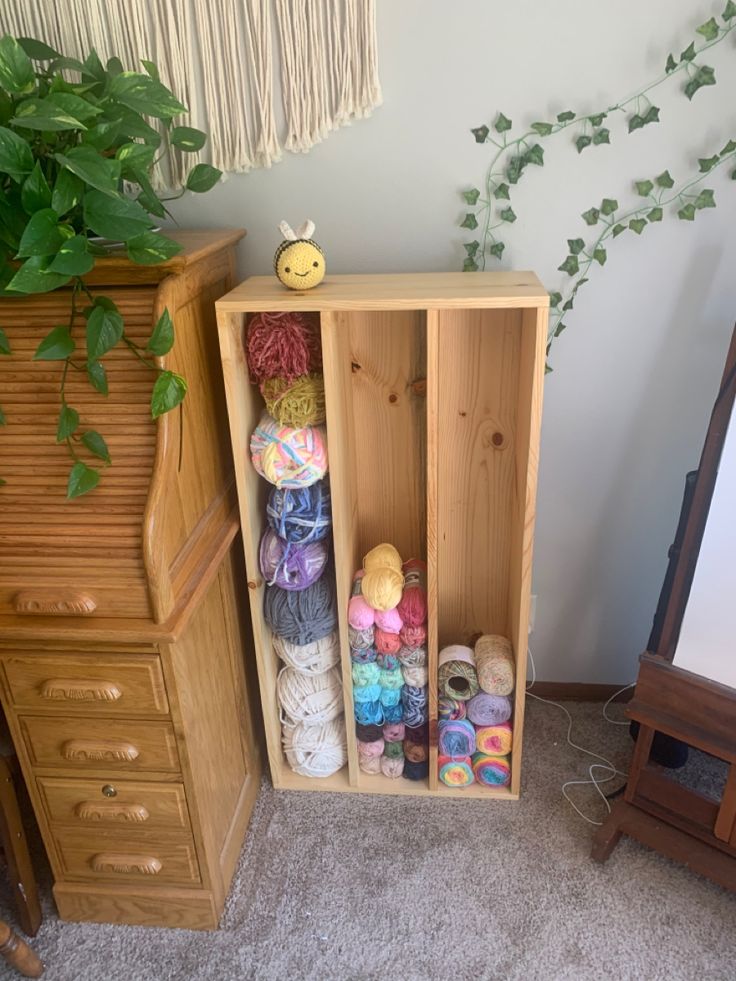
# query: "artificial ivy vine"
x,y
493,209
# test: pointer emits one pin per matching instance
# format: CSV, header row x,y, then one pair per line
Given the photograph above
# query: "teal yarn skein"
x,y
365,674
392,679
390,697
366,693
369,713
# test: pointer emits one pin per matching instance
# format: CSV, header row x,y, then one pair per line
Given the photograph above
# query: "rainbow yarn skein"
x,y
456,738
288,457
491,771
494,740
451,708
455,773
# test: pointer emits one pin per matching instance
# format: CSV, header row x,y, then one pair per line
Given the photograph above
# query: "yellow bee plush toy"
x,y
299,262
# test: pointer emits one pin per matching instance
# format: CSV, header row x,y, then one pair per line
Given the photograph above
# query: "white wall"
x,y
635,375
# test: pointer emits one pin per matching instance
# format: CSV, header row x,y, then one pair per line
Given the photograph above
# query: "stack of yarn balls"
x,y
387,617
474,709
289,450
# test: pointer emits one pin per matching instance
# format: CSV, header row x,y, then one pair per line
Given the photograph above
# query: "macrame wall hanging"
x,y
219,57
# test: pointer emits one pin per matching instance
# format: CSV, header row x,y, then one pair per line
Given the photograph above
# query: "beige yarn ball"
x,y
310,699
495,666
382,588
316,751
383,556
315,658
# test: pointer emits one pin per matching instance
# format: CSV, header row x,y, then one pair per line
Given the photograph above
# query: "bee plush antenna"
x,y
287,231
306,230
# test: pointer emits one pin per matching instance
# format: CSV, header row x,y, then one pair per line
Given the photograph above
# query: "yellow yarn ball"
x,y
382,588
382,557
299,404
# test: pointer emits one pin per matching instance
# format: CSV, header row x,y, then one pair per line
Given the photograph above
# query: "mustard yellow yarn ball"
x,y
300,265
383,556
382,588
301,403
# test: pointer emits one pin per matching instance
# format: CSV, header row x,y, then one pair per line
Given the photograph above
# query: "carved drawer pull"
x,y
92,810
55,604
83,751
126,864
81,690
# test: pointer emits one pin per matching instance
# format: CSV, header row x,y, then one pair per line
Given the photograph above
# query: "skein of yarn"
x,y
394,751
391,713
392,767
366,694
365,674
493,740
390,679
368,734
310,699
389,621
414,702
488,710
291,566
494,663
360,639
301,616
298,403
285,345
314,658
416,752
288,457
393,732
300,515
388,661
369,764
391,698
386,643
369,713
361,615
316,751
413,604
413,637
417,734
456,676
492,771
451,708
382,588
363,656
455,773
456,738
409,656
374,748
415,675
383,556
416,771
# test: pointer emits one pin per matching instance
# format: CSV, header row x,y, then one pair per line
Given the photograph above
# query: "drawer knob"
x,y
126,864
84,751
86,691
109,791
90,810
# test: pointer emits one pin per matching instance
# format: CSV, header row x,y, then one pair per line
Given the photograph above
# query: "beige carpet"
x,y
353,888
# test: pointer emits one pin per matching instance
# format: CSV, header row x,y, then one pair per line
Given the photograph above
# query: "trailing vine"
x,y
512,157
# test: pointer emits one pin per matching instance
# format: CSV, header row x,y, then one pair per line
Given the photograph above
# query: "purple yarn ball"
x,y
291,566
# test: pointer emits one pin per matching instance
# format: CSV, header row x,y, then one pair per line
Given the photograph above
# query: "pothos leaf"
x,y
68,422
82,479
4,342
96,444
168,392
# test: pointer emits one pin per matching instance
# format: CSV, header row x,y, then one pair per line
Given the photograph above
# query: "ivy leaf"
x,y
638,225
469,221
68,422
515,170
591,216
608,206
566,116
644,188
471,197
57,345
542,129
671,64
707,163
480,133
507,215
597,119
730,12
635,122
502,191
82,479
161,340
535,155
651,115
4,343
168,392
655,214
471,247
96,444
568,305
73,258
664,179
600,255
728,148
570,266
558,330
497,249
687,213
689,53
703,76
502,124
709,30
470,265
618,229
555,299
582,141
705,199
601,136
104,330
575,245
97,377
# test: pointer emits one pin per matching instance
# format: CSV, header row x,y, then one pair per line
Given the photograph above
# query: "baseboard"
x,y
571,691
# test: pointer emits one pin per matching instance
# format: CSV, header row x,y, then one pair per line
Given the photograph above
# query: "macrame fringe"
x,y
329,65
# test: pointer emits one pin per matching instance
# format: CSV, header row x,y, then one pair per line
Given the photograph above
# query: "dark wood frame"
x,y
685,825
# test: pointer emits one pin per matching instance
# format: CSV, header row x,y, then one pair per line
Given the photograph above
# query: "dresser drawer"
x,y
94,684
127,858
120,805
100,744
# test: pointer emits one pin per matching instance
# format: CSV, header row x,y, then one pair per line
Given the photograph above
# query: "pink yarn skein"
x,y
413,636
389,620
413,604
360,615
386,643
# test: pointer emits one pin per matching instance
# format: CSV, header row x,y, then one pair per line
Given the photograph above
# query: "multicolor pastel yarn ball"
x,y
494,740
300,515
450,708
282,345
415,675
291,566
491,771
413,655
414,703
383,556
455,773
456,738
494,662
298,403
288,457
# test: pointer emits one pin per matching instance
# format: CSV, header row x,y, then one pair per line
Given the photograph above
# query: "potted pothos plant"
x,y
78,144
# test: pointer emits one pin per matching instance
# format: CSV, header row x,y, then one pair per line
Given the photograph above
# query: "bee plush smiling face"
x,y
299,262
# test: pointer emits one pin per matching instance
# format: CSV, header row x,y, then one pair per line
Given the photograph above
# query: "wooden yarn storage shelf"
x,y
433,385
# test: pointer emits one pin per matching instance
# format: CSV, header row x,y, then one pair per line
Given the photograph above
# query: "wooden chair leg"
x,y
18,954
20,869
608,835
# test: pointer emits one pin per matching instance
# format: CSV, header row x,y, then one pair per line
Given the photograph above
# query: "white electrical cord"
x,y
608,767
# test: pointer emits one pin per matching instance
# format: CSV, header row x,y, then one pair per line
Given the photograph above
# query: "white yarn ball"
x,y
312,699
316,751
313,658
415,675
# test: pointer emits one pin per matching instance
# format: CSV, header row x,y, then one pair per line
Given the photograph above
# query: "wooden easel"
x,y
676,821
